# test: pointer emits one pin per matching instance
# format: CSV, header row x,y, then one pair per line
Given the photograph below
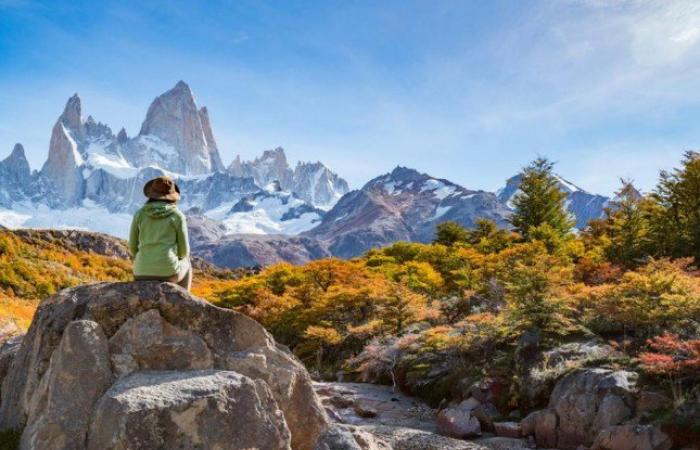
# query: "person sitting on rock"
x,y
158,238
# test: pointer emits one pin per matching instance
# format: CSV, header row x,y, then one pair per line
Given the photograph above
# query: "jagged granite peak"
x,y
71,116
402,205
15,177
270,166
312,182
217,163
318,185
97,130
122,136
16,164
583,205
62,166
174,119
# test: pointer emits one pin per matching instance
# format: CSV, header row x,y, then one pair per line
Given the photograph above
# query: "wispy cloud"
x,y
464,90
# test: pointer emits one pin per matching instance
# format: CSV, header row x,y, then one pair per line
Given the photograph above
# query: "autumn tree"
x,y
450,233
540,201
488,237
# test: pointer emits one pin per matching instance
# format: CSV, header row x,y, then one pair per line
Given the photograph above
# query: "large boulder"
x,y
78,373
459,421
9,345
202,409
98,344
541,369
582,404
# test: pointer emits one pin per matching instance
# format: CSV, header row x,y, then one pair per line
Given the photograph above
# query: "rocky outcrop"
x,y
541,369
459,421
132,365
10,340
632,437
583,404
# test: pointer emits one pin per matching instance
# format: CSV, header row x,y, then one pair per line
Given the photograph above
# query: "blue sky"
x,y
466,90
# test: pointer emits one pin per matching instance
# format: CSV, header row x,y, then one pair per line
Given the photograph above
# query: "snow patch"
x,y
440,211
88,217
439,189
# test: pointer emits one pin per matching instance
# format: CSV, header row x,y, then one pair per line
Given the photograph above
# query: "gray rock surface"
x,y
390,407
339,437
210,409
10,341
62,168
147,326
62,404
399,438
15,177
148,342
504,443
460,421
632,437
581,405
173,118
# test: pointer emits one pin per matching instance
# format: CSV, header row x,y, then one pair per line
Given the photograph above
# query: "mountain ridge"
x,y
92,179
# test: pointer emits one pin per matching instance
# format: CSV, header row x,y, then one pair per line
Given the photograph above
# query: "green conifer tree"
x,y
628,228
540,201
678,195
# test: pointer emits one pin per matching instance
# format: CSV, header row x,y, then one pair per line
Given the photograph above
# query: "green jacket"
x,y
158,239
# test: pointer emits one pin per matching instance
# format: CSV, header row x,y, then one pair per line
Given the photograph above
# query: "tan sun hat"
x,y
162,188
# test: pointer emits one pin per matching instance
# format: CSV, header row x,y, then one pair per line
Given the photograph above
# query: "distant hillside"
x,y
37,263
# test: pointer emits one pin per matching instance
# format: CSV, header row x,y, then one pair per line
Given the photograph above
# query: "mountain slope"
x,y
402,205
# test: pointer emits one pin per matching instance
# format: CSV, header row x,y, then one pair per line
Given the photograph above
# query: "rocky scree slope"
x,y
146,365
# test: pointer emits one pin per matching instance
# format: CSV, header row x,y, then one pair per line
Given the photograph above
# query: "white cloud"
x,y
664,32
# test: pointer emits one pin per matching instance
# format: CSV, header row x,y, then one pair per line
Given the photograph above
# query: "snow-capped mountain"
x,y
583,205
318,185
402,205
93,178
312,182
251,212
270,211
